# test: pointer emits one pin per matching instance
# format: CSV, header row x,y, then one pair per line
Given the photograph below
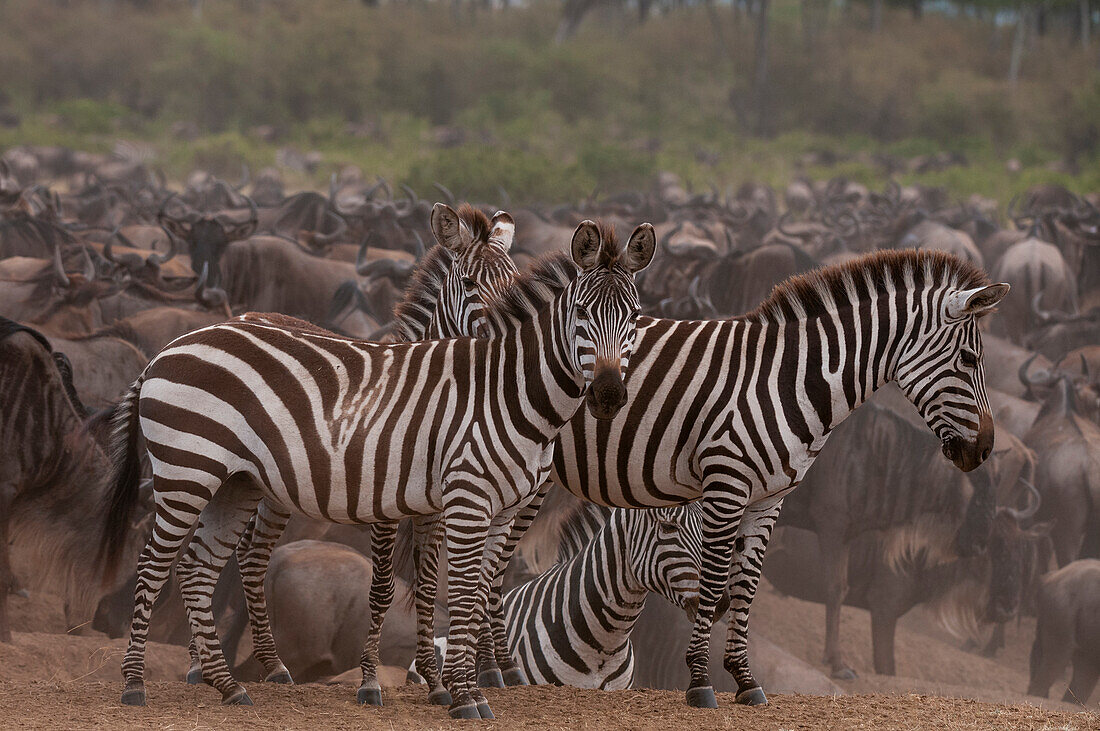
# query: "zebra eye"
x,y
469,283
634,316
582,312
969,358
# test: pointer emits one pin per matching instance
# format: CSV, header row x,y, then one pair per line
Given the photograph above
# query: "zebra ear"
x,y
640,248
586,245
448,228
502,230
975,302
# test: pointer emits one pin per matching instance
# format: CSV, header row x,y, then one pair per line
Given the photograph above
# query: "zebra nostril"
x,y
985,453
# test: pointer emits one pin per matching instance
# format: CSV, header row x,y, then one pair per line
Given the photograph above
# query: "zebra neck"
x,y
554,389
607,598
833,364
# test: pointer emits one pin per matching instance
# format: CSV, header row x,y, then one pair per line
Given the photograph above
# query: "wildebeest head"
x,y
1014,558
206,234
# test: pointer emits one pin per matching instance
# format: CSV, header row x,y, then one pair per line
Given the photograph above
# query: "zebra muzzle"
x,y
607,394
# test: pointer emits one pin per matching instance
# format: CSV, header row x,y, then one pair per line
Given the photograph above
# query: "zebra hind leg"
x,y
194,672
382,537
752,541
170,529
427,538
512,674
253,556
219,531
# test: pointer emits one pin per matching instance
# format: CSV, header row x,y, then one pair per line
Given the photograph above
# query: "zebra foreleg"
x,y
220,527
467,532
494,637
722,509
253,556
752,541
382,538
427,538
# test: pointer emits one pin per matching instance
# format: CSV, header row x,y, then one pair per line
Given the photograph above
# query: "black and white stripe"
x,y
732,413
358,432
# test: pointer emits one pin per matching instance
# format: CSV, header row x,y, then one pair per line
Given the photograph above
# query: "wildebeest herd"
x,y
527,359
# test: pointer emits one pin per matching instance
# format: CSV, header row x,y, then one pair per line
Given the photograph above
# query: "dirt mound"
x,y
83,705
59,657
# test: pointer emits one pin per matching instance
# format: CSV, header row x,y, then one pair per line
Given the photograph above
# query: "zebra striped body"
x,y
732,413
469,267
357,432
571,625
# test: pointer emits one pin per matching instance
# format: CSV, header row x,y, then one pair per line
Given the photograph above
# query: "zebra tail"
x,y
124,481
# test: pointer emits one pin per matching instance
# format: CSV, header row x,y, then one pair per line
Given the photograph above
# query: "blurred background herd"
x,y
165,164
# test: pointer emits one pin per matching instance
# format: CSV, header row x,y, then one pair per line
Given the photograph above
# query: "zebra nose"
x,y
985,453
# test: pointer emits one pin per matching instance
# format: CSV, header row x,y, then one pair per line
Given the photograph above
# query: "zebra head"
x,y
480,270
604,310
940,370
666,548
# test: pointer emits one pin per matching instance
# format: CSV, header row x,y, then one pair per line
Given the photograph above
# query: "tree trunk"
x,y
1086,22
1018,39
876,16
760,68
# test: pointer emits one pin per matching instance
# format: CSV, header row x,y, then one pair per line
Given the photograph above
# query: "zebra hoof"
x,y
440,697
369,696
238,697
702,697
485,711
133,697
280,676
467,711
514,676
490,678
752,697
414,678
194,676
845,674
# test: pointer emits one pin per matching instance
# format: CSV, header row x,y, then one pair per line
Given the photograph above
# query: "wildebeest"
x,y
881,472
1068,630
51,473
1037,272
1067,450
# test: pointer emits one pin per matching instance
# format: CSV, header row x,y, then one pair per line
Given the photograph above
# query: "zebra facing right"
x,y
358,432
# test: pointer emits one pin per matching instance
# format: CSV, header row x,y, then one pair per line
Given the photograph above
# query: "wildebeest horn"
x,y
89,265
421,249
447,194
341,229
1026,379
411,194
245,177
386,187
361,258
332,188
1034,500
667,238
156,259
1085,367
1046,315
59,267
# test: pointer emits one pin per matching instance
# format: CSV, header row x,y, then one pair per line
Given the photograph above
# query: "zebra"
x,y
469,267
571,625
733,412
358,432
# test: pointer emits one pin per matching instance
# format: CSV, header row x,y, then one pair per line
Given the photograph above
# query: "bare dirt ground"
x,y
174,705
52,680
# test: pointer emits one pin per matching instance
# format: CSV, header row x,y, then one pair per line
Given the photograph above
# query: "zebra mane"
x,y
546,277
413,314
817,293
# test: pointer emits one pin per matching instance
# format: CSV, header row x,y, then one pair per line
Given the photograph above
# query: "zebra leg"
x,y
752,540
220,527
834,556
427,534
511,672
170,529
722,508
467,532
253,556
382,538
194,671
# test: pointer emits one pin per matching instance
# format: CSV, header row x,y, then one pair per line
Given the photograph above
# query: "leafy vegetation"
x,y
484,100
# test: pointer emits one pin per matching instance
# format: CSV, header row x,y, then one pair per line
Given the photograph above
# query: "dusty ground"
x,y
174,705
52,680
